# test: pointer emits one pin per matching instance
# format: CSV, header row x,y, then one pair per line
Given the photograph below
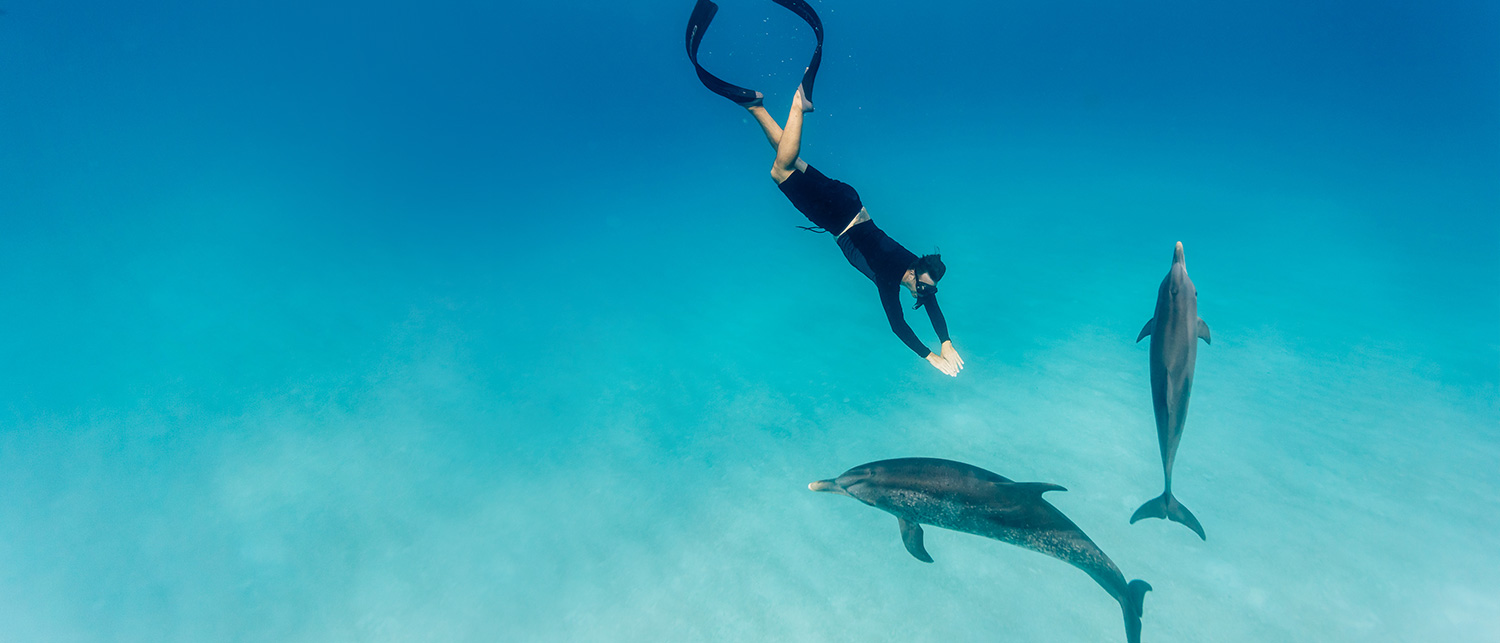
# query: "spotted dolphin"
x,y
1174,331
962,497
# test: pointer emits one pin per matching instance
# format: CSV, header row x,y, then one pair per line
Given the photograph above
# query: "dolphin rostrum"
x,y
1174,332
963,497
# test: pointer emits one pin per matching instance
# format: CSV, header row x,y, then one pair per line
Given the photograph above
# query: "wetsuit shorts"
x,y
827,203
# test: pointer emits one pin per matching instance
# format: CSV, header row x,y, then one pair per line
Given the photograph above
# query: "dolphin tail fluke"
x,y
1166,506
1133,605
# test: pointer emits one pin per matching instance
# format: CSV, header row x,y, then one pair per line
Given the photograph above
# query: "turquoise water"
x,y
476,322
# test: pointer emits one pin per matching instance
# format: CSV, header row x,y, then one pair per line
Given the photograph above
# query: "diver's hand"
x,y
952,356
941,363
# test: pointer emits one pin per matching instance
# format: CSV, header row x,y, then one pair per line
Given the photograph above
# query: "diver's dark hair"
x,y
931,264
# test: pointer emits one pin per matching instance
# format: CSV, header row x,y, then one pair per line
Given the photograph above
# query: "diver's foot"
x,y
758,101
799,101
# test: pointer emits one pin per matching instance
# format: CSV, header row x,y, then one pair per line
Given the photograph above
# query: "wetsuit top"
x,y
831,204
884,261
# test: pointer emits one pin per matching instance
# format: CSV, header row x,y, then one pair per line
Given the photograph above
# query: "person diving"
x,y
834,206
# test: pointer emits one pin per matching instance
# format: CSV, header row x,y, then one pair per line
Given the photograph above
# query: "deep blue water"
x,y
469,321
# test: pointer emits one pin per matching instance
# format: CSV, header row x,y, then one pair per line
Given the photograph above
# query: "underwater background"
x,y
478,321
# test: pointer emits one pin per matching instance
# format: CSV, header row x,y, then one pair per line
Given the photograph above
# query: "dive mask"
x,y
924,291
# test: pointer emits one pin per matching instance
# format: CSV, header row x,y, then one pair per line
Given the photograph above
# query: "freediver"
x,y
834,206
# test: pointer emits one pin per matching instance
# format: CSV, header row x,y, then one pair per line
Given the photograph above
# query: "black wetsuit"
x,y
831,205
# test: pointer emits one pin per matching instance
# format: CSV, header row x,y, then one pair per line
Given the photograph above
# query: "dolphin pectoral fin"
x,y
911,536
1203,331
1149,328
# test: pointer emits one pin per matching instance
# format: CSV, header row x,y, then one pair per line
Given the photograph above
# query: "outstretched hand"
x,y
941,363
952,356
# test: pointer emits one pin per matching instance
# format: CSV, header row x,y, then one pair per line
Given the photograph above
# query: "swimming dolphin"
x,y
963,497
1174,332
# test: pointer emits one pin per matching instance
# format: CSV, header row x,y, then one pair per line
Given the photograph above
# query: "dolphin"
x,y
1174,332
963,497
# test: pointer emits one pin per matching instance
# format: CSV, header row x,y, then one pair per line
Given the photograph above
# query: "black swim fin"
x,y
703,13
805,11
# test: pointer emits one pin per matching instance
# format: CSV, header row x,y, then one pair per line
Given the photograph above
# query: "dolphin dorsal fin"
x,y
1149,328
911,536
1203,331
1038,488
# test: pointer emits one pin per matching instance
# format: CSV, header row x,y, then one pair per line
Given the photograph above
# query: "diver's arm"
x,y
935,315
940,326
890,299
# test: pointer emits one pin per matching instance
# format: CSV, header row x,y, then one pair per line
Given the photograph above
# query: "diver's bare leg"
x,y
789,146
772,130
767,123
